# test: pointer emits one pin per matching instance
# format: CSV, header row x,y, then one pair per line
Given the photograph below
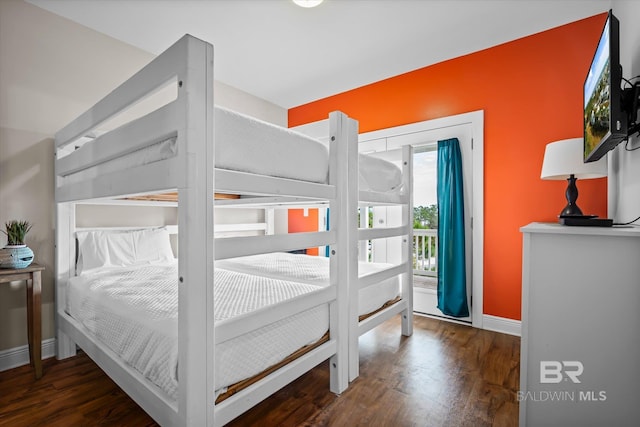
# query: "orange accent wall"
x,y
298,223
531,92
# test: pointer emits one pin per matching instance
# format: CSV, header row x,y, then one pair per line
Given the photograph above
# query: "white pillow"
x,y
122,248
93,251
152,245
378,174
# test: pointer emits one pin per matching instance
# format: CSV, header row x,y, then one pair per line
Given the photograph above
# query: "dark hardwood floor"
x,y
444,375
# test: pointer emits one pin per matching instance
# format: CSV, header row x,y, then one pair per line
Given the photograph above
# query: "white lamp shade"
x,y
564,158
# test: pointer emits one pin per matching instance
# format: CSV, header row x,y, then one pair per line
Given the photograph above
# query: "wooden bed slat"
x,y
385,305
235,388
173,197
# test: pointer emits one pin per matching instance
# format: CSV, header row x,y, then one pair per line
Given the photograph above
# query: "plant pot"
x,y
16,256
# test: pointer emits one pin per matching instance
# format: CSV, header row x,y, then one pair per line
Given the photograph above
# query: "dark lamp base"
x,y
571,193
571,210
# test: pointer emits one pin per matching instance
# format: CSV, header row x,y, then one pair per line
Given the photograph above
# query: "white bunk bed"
x,y
102,170
178,152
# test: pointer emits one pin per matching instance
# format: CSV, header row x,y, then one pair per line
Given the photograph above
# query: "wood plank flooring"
x,y
444,375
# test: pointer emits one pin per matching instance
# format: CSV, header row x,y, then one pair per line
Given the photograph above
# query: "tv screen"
x,y
605,123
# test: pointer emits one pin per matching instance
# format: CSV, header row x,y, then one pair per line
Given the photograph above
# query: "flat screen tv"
x,y
605,119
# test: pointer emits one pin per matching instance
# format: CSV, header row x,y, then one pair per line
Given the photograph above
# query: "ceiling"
x,y
290,55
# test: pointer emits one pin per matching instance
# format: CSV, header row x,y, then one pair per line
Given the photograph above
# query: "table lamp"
x,y
564,160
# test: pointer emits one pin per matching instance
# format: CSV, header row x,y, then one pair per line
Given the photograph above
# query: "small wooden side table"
x,y
31,275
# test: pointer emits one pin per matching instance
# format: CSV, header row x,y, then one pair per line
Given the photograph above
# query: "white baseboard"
x,y
19,356
501,324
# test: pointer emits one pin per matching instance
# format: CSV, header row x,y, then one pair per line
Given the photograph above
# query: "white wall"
x,y
624,166
51,70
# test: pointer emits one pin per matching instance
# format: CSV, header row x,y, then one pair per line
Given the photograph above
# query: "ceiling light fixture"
x,y
307,3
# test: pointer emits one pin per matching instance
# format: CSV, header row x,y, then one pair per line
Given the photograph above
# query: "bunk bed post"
x,y
269,220
343,173
65,268
363,245
195,245
407,247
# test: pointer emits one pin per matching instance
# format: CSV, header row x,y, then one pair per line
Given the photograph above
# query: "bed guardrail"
x,y
251,245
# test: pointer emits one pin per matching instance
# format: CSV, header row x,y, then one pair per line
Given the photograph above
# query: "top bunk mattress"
x,y
247,144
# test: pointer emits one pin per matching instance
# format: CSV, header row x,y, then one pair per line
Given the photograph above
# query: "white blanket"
x,y
315,270
133,311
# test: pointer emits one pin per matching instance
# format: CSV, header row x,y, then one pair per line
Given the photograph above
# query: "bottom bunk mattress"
x,y
314,270
134,312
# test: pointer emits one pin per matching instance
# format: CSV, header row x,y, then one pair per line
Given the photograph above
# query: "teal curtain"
x,y
452,287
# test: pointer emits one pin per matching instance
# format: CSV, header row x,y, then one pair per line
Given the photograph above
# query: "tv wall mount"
x,y
631,105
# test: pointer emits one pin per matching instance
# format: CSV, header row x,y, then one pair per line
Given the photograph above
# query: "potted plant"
x,y
16,254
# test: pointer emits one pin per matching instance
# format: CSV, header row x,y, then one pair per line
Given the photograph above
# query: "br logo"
x,y
553,371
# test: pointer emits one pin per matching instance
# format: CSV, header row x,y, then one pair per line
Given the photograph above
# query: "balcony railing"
x,y
425,252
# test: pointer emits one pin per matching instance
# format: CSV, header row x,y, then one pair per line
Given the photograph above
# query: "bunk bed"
x,y
186,126
173,149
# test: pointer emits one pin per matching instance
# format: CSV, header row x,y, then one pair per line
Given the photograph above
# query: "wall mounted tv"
x,y
605,118
610,111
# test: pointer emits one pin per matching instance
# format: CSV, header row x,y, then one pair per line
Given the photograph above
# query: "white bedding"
x,y
246,144
133,311
315,270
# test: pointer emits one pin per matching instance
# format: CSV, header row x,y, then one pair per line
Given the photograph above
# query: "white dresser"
x,y
580,348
